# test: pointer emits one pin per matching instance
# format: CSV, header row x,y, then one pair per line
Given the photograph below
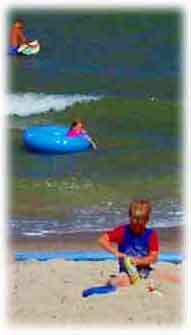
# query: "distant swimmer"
x,y
17,37
18,43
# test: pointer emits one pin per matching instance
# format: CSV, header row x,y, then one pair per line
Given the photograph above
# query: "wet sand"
x,y
171,239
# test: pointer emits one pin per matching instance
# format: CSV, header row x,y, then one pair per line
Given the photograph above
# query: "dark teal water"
x,y
130,61
133,53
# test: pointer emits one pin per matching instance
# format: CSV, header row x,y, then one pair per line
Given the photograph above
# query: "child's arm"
x,y
145,260
22,38
84,133
106,244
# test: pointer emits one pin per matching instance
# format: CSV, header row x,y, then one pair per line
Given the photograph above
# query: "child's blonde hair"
x,y
140,208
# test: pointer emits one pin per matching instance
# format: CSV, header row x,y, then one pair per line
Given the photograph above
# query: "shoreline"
x,y
171,239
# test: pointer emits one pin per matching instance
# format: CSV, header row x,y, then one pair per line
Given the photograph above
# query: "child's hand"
x,y
134,260
94,146
120,254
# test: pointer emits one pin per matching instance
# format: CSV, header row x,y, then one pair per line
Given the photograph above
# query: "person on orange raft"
x,y
141,244
17,37
77,128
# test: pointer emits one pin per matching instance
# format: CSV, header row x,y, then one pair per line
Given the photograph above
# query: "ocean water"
x,y
120,72
134,53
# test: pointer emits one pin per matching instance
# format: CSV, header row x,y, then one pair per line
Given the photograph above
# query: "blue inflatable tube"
x,y
53,139
92,255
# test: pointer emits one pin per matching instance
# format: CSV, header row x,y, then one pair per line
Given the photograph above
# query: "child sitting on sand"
x,y
77,128
141,244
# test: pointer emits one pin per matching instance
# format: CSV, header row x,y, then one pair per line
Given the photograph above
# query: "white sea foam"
x,y
25,104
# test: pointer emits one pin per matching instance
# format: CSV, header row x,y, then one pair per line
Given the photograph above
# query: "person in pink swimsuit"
x,y
77,128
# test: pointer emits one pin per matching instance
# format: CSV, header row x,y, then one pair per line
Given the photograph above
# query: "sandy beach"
x,y
43,293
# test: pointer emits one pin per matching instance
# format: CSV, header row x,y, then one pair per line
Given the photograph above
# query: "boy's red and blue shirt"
x,y
137,245
116,235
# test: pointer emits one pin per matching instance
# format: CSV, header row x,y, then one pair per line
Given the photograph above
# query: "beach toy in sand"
x,y
131,270
98,290
51,138
153,289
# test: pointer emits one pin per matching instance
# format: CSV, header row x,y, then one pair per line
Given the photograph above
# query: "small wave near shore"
x,y
26,104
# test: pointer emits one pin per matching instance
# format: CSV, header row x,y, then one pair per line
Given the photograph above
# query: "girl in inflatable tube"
x,y
77,128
